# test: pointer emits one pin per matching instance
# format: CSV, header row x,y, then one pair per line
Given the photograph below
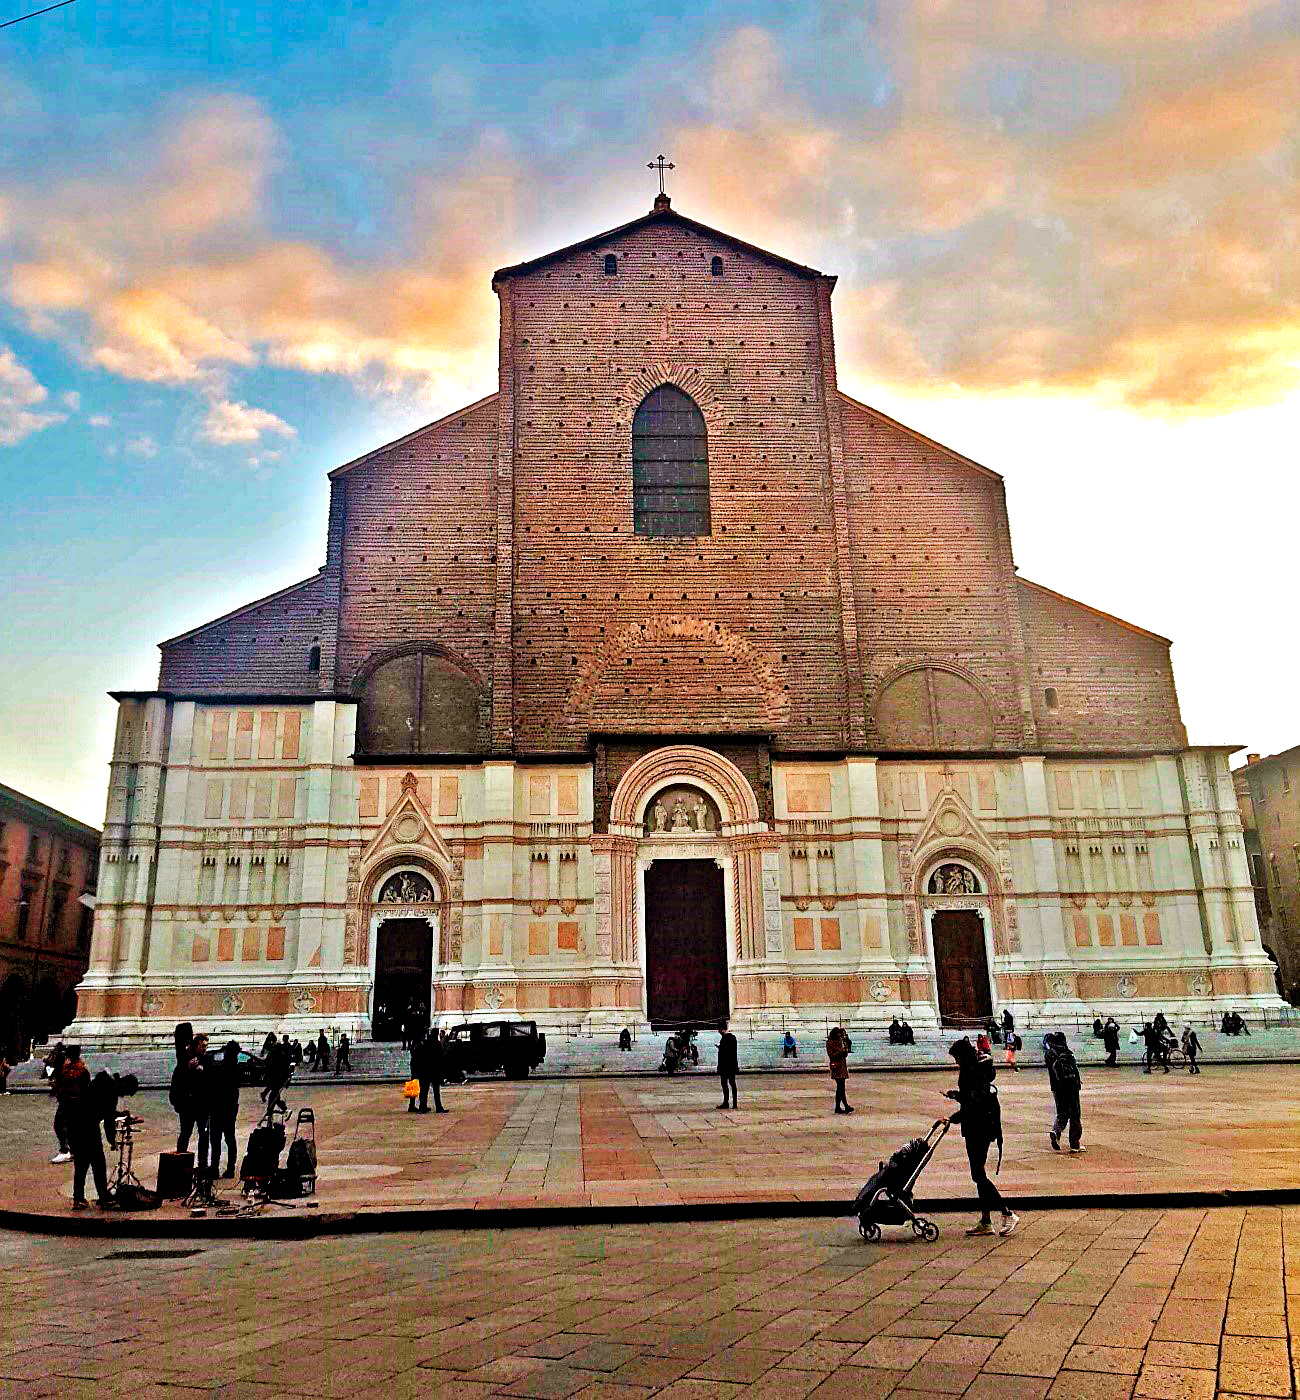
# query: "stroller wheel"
x,y
930,1232
868,1229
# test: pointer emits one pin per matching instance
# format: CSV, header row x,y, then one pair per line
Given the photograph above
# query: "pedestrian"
x,y
178,1092
906,1035
322,1052
54,1063
727,1063
838,1046
1110,1039
295,1052
82,1128
343,1059
279,1068
268,1042
5,1067
789,1046
433,1043
426,1069
1160,1025
1012,1043
199,1074
625,1039
1008,1022
1066,1082
309,1054
980,1115
408,1017
895,1032
1155,1048
224,1107
106,1090
1191,1048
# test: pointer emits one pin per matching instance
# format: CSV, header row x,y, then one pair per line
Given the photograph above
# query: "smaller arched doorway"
x,y
957,909
405,919
14,1032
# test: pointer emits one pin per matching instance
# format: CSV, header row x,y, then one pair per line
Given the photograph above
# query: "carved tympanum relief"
x,y
953,879
406,887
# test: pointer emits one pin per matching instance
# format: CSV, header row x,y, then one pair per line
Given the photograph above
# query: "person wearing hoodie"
x,y
1065,1081
980,1117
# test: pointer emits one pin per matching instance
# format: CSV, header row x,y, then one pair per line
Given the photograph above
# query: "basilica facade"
x,y
667,683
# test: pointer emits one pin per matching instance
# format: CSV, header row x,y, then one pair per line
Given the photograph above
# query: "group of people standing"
x,y
84,1105
204,1093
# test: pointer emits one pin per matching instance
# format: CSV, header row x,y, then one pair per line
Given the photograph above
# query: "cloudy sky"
x,y
241,243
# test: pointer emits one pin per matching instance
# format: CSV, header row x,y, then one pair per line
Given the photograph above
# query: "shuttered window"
x,y
670,465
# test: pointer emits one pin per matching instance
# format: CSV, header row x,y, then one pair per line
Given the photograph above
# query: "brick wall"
x,y
504,534
1114,685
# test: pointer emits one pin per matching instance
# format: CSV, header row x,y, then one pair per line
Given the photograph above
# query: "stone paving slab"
x,y
663,1144
764,1310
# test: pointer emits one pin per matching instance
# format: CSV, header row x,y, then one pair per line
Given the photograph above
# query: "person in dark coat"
x,y
625,1039
426,1067
199,1085
268,1042
178,1092
54,1063
1110,1039
838,1046
343,1059
225,1107
895,1032
322,1052
309,1054
1066,1083
1155,1048
906,1035
279,1067
728,1065
980,1117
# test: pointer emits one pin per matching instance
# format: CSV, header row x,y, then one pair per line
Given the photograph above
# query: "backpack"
x,y
1065,1070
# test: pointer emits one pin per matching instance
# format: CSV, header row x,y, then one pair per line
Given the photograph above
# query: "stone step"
x,y
596,1055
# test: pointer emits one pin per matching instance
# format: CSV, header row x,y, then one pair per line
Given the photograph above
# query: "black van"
x,y
488,1047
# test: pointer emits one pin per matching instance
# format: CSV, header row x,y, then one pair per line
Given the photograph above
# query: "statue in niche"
x,y
406,888
681,822
953,879
703,821
658,817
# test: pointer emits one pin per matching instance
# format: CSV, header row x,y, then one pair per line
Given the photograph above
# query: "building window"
x,y
34,849
24,911
1049,697
715,267
85,928
670,465
611,265
1282,921
313,659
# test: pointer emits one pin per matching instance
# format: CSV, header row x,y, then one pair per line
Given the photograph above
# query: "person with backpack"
x,y
1066,1083
980,1116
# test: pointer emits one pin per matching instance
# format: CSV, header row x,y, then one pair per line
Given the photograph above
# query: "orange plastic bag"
x,y
411,1089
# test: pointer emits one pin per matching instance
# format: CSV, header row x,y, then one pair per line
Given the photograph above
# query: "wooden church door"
x,y
961,967
685,943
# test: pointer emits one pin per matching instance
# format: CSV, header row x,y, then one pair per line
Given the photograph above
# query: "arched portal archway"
x,y
405,922
955,901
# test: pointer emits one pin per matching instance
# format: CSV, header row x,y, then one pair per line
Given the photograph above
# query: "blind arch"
x,y
670,465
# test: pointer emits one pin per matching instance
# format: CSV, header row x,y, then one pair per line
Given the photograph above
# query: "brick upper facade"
x,y
857,591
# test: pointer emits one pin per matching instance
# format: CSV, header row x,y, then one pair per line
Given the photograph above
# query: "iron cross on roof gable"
x,y
660,164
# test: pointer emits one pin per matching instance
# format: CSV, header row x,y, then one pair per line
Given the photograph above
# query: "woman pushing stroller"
x,y
980,1116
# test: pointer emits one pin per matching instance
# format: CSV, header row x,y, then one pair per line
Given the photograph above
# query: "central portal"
x,y
685,943
403,976
961,967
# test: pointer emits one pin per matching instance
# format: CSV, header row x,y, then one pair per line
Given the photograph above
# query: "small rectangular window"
x,y
611,265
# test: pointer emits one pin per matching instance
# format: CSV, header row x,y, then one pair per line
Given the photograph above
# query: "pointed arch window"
x,y
670,465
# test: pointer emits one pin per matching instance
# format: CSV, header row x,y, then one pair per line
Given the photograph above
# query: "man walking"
x,y
343,1057
728,1064
82,1127
54,1063
426,1067
1110,1039
1191,1048
1155,1049
1066,1082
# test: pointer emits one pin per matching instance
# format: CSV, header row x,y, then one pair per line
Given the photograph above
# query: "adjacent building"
x,y
667,682
1270,816
48,867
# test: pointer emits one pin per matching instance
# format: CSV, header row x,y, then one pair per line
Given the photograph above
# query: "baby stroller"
x,y
887,1198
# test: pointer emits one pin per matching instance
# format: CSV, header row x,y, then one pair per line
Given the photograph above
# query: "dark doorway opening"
x,y
961,967
685,943
403,976
14,1031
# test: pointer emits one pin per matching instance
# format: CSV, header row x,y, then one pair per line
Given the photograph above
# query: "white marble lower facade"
x,y
247,868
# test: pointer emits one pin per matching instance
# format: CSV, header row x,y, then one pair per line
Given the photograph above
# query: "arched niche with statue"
x,y
682,810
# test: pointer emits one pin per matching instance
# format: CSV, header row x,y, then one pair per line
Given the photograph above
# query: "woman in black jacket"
x,y
980,1116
